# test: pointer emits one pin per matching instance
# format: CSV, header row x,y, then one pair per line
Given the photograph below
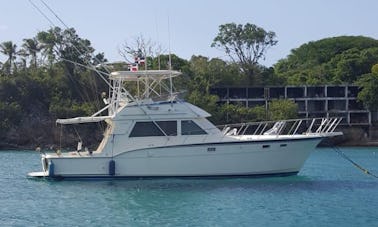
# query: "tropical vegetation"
x,y
52,75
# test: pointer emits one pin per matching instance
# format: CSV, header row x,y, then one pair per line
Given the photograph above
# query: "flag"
x,y
140,60
133,67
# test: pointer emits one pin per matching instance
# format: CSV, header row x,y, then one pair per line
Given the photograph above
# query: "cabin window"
x,y
142,129
191,128
169,127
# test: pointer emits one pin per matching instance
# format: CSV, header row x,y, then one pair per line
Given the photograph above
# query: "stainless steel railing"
x,y
283,127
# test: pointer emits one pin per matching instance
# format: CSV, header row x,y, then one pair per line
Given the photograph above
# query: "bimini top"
x,y
138,75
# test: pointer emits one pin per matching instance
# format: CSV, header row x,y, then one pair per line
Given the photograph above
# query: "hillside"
x,y
337,60
41,82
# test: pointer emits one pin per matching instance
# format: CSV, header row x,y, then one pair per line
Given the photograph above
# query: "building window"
x,y
142,129
191,128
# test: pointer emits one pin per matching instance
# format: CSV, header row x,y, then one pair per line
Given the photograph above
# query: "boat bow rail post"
x,y
284,127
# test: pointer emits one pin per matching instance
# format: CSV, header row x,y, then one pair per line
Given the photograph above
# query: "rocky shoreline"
x,y
49,136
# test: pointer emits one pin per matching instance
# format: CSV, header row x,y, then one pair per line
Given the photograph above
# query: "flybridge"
x,y
149,83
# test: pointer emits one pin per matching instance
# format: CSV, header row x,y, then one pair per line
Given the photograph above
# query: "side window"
x,y
191,128
142,129
145,129
169,127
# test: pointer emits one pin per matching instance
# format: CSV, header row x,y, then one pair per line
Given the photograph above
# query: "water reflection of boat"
x,y
148,136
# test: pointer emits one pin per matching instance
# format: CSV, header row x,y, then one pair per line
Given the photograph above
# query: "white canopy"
x,y
78,120
137,75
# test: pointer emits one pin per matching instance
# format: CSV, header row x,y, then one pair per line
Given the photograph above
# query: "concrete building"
x,y
312,101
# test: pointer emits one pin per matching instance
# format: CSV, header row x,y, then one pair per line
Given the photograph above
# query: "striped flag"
x,y
140,60
133,67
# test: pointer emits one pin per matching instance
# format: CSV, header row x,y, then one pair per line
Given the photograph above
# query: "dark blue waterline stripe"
x,y
284,174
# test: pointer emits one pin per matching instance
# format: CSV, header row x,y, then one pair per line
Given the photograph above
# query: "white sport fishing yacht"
x,y
148,136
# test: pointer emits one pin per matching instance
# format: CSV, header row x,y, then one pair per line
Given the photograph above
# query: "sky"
x,y
188,27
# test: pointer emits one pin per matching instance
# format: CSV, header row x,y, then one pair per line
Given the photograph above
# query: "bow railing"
x,y
283,127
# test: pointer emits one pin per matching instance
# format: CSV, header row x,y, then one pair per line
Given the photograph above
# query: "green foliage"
x,y
329,61
41,79
162,62
8,48
259,113
374,69
31,48
10,113
66,109
51,85
245,45
203,100
204,73
281,109
348,66
369,92
277,110
235,113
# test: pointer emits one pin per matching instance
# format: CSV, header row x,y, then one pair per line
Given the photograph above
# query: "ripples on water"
x,y
328,192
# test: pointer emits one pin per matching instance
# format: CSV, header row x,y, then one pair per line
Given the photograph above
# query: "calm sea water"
x,y
329,191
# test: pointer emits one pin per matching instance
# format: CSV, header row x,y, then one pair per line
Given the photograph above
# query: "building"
x,y
312,101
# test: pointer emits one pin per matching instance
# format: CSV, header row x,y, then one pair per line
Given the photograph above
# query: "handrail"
x,y
285,127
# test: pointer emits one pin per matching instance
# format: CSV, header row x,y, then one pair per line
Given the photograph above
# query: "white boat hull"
x,y
247,158
149,137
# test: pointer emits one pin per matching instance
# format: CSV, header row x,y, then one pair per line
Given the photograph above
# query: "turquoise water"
x,y
328,191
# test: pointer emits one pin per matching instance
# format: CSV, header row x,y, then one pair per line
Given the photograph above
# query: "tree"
x,y
281,109
328,61
204,75
369,92
32,47
245,45
141,47
9,48
48,40
31,98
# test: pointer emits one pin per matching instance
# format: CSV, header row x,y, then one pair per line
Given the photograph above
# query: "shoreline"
x,y
353,136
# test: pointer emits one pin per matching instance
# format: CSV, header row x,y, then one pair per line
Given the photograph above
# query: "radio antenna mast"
x,y
170,61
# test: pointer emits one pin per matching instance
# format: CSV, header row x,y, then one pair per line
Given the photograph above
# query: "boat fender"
x,y
225,130
232,132
51,168
112,168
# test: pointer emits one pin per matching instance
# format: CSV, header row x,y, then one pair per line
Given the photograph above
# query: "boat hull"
x,y
242,158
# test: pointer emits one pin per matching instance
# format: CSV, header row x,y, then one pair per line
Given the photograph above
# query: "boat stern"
x,y
38,174
47,168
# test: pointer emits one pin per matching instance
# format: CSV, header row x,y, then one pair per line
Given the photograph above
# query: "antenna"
x,y
157,39
169,45
170,61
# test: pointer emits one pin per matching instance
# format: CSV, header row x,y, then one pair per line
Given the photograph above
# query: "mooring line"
x,y
343,155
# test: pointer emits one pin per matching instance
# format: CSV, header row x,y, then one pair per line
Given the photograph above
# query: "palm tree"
x,y
48,42
32,47
8,48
